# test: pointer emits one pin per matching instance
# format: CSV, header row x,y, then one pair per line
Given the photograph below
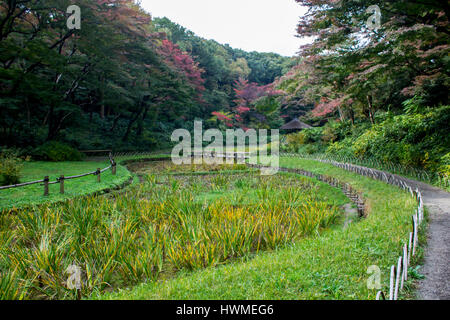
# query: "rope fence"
x,y
348,190
399,271
46,181
439,179
418,174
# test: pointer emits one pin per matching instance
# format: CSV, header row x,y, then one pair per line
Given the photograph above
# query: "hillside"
x,y
124,81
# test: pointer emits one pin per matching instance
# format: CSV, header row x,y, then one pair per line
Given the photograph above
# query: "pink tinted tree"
x,y
247,94
183,63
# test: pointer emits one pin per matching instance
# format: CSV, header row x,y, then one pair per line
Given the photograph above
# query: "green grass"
x,y
429,177
156,229
331,265
34,194
137,158
250,193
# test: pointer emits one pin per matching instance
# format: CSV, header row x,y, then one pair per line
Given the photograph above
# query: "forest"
x,y
378,92
123,81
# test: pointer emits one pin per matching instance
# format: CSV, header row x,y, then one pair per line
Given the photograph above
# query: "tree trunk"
x,y
141,122
130,125
114,125
102,110
102,98
341,116
371,111
28,112
352,116
50,123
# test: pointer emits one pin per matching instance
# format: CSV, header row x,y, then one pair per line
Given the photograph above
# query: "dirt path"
x,y
436,285
436,269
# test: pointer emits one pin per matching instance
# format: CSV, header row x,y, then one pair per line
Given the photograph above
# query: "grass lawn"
x,y
330,265
33,195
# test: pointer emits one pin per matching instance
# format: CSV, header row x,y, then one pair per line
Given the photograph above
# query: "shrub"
x,y
329,134
311,149
343,148
411,140
445,167
294,141
313,135
10,166
362,146
417,140
57,152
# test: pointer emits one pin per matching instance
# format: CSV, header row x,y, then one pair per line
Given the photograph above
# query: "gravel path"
x,y
436,285
436,269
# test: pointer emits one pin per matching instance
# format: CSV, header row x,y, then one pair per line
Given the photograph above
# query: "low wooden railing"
x,y
46,181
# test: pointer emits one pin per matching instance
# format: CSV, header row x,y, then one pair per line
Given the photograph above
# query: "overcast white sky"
x,y
252,25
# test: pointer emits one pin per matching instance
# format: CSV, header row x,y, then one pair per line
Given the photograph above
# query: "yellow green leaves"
x,y
159,227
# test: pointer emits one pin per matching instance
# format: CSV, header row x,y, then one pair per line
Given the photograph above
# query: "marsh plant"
x,y
156,228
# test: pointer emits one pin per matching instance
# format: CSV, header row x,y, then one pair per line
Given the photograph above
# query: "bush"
x,y
311,149
57,152
293,142
342,148
10,166
411,140
313,135
417,140
329,134
444,170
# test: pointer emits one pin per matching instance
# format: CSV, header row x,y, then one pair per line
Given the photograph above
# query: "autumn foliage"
x,y
183,63
350,70
247,96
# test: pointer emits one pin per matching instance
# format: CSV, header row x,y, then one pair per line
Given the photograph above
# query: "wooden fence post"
x,y
392,283
398,278
415,235
380,295
46,181
410,247
99,179
114,169
405,263
61,184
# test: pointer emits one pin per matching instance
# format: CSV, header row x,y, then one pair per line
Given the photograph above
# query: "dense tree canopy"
x,y
375,80
224,65
356,69
121,80
256,106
